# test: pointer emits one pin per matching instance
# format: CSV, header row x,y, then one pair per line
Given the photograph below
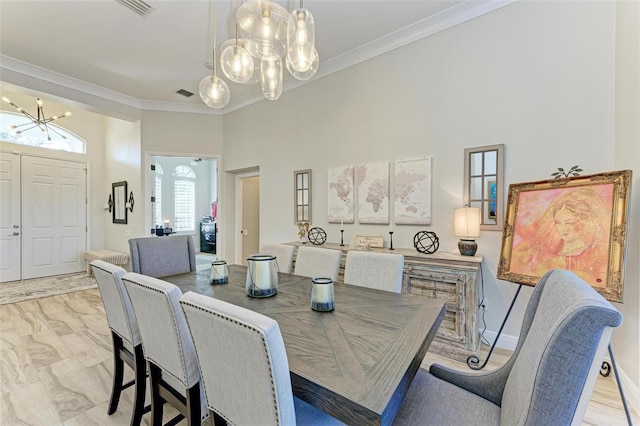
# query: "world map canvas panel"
x,y
340,197
412,200
372,181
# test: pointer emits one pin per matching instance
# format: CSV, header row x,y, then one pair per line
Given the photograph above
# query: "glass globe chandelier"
x,y
213,90
266,36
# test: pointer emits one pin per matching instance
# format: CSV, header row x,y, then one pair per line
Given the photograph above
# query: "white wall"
x,y
192,135
122,148
538,77
627,156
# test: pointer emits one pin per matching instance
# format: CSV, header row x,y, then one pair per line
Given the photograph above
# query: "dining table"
x,y
355,362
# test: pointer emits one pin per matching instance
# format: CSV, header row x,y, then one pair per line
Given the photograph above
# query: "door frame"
x,y
147,180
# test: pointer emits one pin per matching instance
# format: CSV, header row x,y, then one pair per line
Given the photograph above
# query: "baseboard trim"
x,y
631,391
506,341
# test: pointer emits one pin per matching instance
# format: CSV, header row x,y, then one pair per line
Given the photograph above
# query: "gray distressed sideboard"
x,y
445,276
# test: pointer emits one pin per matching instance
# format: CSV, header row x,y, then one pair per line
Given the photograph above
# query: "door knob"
x,y
16,233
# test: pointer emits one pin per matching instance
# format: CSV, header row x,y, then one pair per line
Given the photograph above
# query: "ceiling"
x,y
102,48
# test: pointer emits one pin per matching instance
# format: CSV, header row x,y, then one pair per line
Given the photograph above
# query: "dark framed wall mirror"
x,y
484,184
119,195
302,196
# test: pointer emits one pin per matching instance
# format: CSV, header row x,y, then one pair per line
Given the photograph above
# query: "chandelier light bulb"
x,y
255,75
301,39
271,77
309,72
237,64
265,26
214,91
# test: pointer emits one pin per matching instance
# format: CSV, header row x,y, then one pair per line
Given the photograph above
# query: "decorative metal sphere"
x,y
426,242
317,236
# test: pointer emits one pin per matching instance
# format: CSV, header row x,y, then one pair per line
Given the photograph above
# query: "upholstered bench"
x,y
110,256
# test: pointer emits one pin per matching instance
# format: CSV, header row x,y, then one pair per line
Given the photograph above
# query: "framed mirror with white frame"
x,y
484,184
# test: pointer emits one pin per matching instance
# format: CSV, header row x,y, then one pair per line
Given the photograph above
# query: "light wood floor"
x,y
56,363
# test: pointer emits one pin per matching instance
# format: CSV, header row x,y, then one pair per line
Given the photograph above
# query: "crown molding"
x,y
119,105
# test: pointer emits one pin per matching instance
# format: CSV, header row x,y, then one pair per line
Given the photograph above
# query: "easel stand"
x,y
473,360
605,370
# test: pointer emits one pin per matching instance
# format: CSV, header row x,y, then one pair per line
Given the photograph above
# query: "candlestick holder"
x,y
391,240
342,238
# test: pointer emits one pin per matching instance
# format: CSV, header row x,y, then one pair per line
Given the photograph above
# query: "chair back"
x,y
166,341
162,256
283,254
318,262
242,358
555,367
115,299
381,271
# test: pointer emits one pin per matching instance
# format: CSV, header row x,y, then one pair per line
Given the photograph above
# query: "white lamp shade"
x,y
467,222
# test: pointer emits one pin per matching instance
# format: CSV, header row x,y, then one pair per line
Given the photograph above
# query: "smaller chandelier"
x,y
40,121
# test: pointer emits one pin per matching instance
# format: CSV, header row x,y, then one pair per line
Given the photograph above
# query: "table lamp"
x,y
467,227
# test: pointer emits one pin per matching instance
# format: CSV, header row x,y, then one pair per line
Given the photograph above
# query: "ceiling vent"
x,y
185,93
138,6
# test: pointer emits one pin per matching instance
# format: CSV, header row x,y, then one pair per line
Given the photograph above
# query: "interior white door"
x,y
9,217
54,217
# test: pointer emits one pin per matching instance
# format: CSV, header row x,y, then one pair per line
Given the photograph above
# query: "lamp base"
x,y
467,247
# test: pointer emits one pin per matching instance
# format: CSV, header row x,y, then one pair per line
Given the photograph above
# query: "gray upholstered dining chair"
x,y
381,271
173,367
317,262
245,371
125,336
282,252
162,256
547,381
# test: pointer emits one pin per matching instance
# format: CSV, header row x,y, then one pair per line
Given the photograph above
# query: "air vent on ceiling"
x,y
138,6
185,93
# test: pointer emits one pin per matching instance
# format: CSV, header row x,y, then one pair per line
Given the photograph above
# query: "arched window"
x,y
184,199
61,139
157,207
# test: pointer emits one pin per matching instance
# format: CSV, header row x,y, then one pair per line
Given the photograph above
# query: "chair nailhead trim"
x,y
264,344
175,327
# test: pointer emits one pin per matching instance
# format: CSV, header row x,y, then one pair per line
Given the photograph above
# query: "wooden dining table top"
x,y
355,362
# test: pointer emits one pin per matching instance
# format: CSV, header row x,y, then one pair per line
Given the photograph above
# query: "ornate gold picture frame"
x,y
576,223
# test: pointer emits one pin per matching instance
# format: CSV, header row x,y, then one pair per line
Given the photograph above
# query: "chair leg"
x,y
155,376
118,374
140,386
193,405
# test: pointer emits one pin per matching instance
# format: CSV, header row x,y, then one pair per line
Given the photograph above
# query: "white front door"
x,y
9,217
53,217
